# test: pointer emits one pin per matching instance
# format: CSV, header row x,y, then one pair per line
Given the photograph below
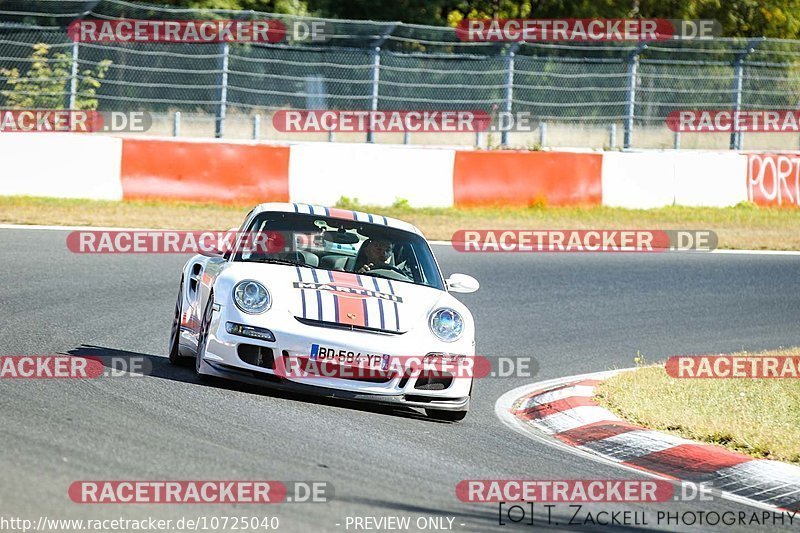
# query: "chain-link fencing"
x,y
580,94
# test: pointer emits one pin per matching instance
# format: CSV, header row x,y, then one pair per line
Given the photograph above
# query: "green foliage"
x,y
345,202
739,18
401,203
46,83
411,11
288,7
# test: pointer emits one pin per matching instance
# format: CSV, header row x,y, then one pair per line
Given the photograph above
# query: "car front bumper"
x,y
294,339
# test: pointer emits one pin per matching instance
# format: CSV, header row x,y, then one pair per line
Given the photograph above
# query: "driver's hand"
x,y
366,267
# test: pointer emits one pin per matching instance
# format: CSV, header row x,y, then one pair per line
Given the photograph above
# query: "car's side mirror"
x,y
462,283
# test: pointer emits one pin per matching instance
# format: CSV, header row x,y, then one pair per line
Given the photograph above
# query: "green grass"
x,y
759,417
743,226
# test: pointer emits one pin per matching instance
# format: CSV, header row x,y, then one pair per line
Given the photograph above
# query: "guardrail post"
x,y
222,100
737,137
376,71
633,67
509,92
73,78
176,124
376,78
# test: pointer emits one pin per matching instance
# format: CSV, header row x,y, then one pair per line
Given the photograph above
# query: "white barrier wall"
x,y
643,180
61,165
69,165
712,179
320,173
638,180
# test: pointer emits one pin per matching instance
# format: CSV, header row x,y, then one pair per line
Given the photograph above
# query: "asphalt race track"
x,y
574,313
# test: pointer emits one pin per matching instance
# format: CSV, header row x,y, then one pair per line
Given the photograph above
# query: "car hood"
x,y
341,298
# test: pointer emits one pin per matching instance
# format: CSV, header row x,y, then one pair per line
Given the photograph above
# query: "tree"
x,y
739,18
430,12
288,7
44,86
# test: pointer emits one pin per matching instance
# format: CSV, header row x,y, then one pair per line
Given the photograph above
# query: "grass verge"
x,y
759,417
745,226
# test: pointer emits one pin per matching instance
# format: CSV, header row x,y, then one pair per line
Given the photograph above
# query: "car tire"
x,y
175,332
202,338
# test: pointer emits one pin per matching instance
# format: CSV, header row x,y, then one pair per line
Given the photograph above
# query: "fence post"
x,y
73,77
509,94
542,134
737,137
256,127
612,136
677,141
176,124
222,103
633,67
376,78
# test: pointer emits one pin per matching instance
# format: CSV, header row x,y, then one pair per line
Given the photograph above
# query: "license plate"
x,y
343,356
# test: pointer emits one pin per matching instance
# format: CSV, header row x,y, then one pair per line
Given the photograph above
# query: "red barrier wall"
x,y
774,179
204,171
501,177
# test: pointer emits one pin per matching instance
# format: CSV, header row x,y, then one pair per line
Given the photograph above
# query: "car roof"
x,y
335,212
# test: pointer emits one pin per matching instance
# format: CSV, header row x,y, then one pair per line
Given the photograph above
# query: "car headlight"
x,y
251,297
446,324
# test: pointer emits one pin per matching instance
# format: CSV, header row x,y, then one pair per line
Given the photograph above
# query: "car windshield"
x,y
341,245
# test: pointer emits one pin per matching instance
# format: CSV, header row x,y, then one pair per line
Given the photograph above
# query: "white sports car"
x,y
339,303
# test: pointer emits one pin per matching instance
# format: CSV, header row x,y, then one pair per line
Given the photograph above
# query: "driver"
x,y
374,254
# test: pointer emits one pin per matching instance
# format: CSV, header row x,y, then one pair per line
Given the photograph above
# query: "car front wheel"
x,y
202,338
175,333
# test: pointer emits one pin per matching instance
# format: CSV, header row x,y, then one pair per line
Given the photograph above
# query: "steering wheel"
x,y
387,266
